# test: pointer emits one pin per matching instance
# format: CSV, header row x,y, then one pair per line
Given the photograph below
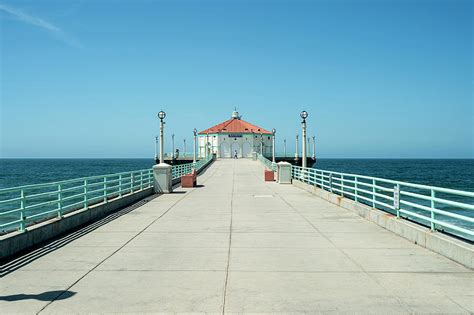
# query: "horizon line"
x,y
151,158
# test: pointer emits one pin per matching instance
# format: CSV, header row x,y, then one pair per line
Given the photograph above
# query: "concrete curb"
x,y
443,244
16,242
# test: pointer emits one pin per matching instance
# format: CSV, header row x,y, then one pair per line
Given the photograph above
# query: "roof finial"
x,y
235,113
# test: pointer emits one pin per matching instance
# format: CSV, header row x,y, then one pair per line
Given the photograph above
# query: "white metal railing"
x,y
183,169
269,164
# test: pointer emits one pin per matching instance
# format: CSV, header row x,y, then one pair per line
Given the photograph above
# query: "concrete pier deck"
x,y
236,244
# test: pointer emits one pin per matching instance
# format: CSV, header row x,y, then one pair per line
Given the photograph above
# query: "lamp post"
x,y
172,145
303,115
261,144
314,148
194,152
284,146
161,116
184,149
296,151
308,147
273,145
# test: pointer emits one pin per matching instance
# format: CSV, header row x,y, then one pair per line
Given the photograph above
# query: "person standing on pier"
x,y
235,154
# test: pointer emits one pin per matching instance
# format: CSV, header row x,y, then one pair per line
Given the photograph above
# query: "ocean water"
x,y
19,172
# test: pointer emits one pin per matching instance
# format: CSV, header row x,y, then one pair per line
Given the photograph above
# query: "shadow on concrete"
x,y
45,296
18,261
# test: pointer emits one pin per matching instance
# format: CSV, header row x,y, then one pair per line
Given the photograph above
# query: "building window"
x,y
268,138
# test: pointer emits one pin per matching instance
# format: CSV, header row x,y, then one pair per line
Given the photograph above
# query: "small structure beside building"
x,y
234,135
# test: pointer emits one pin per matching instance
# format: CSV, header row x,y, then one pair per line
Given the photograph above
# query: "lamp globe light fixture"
x,y
161,115
304,115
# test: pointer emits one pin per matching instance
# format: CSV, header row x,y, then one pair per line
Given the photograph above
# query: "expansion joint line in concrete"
x,y
120,248
230,240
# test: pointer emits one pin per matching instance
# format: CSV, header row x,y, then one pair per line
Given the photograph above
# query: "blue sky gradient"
x,y
380,79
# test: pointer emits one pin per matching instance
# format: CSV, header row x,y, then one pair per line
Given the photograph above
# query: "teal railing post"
x,y
60,202
105,189
432,224
22,211
342,185
132,180
330,182
396,199
355,188
373,193
141,180
120,185
85,193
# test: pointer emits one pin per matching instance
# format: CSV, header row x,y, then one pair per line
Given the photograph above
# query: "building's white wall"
x,y
252,142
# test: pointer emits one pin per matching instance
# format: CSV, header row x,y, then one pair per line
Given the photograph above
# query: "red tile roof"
x,y
235,125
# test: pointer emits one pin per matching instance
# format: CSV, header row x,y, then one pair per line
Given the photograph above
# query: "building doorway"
x,y
236,147
246,150
225,150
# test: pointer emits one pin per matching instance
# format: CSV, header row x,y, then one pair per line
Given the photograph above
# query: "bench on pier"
x,y
189,180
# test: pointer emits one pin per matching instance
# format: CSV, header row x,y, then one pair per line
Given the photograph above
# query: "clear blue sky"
x,y
384,79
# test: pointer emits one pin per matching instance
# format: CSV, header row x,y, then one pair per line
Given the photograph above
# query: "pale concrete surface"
x,y
239,244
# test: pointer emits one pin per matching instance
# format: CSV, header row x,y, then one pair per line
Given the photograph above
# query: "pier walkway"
x,y
235,244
